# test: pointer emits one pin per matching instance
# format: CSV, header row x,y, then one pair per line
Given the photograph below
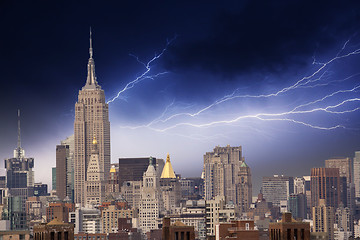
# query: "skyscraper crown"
x,y
91,82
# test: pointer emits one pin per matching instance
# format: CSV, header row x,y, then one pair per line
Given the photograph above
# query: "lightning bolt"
x,y
146,74
318,78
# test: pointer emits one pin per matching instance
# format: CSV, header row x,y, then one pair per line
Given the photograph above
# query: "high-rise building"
x,y
344,166
91,120
20,184
170,187
323,218
65,168
344,222
357,174
221,172
345,171
244,188
288,228
277,188
95,182
325,184
217,211
151,202
297,205
132,169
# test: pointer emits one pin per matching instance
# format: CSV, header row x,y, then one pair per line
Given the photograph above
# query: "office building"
x,y
221,172
297,205
323,218
131,191
239,230
218,211
170,188
95,182
325,184
86,220
133,169
177,230
356,167
277,188
151,200
110,215
288,228
91,120
244,188
54,230
65,168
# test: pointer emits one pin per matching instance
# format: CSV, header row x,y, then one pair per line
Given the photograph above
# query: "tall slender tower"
x,y
91,120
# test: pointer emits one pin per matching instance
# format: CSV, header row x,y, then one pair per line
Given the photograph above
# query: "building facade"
x,y
221,172
277,188
91,120
325,184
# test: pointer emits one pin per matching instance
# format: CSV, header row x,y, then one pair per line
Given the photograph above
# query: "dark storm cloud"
x,y
267,36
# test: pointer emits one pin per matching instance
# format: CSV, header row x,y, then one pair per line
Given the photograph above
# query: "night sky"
x,y
279,78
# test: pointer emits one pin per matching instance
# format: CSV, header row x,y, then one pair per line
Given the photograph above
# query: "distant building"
x,y
345,172
95,181
239,230
40,189
65,168
323,219
177,231
151,201
131,191
53,179
192,214
170,188
91,120
24,235
60,211
192,188
55,229
288,228
112,185
344,222
133,169
218,211
86,220
110,215
325,184
297,205
277,188
244,188
221,175
357,174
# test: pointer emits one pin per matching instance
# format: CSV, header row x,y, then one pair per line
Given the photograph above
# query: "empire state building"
x,y
91,121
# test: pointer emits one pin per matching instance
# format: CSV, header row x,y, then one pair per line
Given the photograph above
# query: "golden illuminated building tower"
x,y
91,119
170,187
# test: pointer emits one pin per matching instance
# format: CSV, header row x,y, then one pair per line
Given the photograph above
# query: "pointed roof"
x,y
168,171
243,164
56,221
91,82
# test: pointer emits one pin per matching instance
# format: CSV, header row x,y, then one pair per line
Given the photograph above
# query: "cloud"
x,y
266,36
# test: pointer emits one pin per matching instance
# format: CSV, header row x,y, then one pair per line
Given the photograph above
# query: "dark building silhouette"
x,y
178,231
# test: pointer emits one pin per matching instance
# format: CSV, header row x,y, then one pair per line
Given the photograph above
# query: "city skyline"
x,y
221,64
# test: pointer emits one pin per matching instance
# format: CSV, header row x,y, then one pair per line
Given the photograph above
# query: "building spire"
x,y
90,49
19,132
91,82
19,152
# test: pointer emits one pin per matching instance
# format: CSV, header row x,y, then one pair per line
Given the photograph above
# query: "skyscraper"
x,y
325,184
20,182
244,189
65,168
91,120
277,188
221,171
357,174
